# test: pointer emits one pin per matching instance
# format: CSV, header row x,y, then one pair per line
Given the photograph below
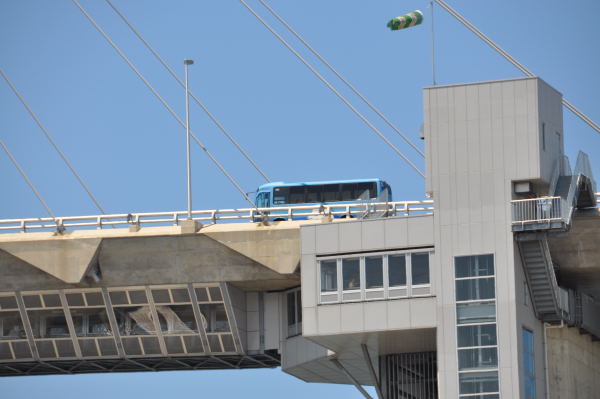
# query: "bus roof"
x,y
311,183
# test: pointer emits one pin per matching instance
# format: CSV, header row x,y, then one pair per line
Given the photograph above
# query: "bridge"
x,y
489,289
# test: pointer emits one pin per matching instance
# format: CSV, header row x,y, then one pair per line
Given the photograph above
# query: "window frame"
x,y
527,377
370,294
294,329
493,321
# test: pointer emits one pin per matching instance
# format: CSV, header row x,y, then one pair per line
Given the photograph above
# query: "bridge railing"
x,y
542,210
356,210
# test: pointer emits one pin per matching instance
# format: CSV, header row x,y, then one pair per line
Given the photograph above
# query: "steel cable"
x,y
337,93
163,102
513,61
22,172
332,69
58,150
196,100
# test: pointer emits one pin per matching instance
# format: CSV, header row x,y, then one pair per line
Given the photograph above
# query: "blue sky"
x,y
131,152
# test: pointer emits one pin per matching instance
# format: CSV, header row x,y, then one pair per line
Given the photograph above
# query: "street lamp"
x,y
186,63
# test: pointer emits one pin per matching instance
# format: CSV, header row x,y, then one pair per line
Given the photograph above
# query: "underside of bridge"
x,y
145,300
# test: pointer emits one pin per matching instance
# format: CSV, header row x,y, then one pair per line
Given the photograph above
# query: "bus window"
x,y
280,195
313,193
296,195
365,191
331,192
347,192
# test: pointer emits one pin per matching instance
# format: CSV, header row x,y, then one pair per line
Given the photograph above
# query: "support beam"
x,y
365,351
339,365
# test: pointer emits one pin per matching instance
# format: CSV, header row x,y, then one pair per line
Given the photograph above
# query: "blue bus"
x,y
280,194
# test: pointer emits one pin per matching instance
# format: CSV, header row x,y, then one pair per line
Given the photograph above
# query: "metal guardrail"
x,y
356,210
542,210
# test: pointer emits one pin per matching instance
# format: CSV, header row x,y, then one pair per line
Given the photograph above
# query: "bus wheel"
x,y
279,219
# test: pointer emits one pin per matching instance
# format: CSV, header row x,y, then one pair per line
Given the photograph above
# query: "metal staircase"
x,y
534,219
550,301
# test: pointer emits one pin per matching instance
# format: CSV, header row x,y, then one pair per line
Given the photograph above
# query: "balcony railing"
x,y
542,210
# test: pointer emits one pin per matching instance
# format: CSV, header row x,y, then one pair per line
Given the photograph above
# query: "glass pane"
x,y
193,344
215,294
527,340
8,302
138,297
91,322
474,266
297,195
397,270
174,344
475,312
351,273
118,298
331,192
484,335
21,350
228,344
420,268
52,300
94,298
479,358
291,308
481,288
365,191
160,296
32,301
201,294
299,305
5,353
347,192
11,326
478,382
48,323
529,388
529,364
180,295
313,193
176,319
75,299
214,318
214,343
328,276
280,195
374,271
135,320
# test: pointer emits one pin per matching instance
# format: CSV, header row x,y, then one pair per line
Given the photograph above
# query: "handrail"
x,y
544,209
213,216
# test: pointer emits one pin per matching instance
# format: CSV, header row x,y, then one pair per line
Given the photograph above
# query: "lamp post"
x,y
186,63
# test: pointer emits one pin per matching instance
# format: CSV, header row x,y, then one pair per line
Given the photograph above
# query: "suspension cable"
x,y
332,69
337,93
196,100
162,100
22,172
58,150
513,61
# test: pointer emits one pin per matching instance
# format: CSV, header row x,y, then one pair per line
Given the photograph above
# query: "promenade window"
x,y
374,277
